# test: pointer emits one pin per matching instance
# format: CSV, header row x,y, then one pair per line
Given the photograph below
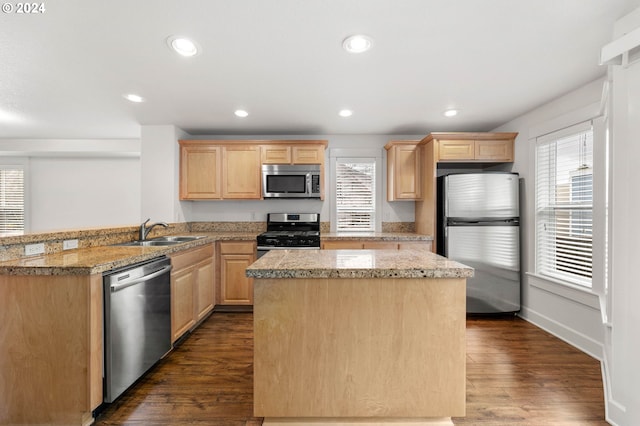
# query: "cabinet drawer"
x,y
342,245
190,257
415,244
237,247
380,245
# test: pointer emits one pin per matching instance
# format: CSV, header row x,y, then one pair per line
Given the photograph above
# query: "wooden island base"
x,y
365,351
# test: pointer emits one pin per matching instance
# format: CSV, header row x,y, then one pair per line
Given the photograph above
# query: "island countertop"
x,y
411,263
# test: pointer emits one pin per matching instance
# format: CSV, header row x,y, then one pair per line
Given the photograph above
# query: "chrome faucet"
x,y
144,230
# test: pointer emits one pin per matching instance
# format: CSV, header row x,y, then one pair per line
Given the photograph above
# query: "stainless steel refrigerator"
x,y
479,225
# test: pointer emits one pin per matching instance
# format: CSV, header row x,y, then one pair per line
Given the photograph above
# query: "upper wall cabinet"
x,y
403,171
200,171
474,147
241,174
211,171
289,152
228,169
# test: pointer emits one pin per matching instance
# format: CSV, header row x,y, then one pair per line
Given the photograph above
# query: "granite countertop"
x,y
374,236
410,263
96,260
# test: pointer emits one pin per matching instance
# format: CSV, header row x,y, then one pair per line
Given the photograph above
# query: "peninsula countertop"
x,y
95,260
410,263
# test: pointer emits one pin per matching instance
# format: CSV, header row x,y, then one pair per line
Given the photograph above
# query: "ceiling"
x,y
63,72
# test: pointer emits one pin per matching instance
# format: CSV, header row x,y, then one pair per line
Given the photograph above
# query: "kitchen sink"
x,y
149,243
176,239
162,241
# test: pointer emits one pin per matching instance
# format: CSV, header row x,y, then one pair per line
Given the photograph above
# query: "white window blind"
x,y
355,194
11,200
564,204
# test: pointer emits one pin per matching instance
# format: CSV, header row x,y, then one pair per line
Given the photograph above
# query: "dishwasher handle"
x,y
123,285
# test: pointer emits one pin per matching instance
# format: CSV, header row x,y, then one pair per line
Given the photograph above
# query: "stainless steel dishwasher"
x,y
137,322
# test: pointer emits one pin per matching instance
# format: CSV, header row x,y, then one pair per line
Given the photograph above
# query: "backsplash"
x,y
228,226
13,247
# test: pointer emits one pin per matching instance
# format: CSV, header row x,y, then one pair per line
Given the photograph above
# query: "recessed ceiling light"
x,y
345,113
241,113
357,43
133,97
182,45
450,113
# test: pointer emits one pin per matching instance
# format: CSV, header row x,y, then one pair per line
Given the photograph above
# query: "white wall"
x,y
81,192
623,336
570,314
159,192
398,211
78,183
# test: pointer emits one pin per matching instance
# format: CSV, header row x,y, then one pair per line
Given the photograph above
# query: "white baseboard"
x,y
579,340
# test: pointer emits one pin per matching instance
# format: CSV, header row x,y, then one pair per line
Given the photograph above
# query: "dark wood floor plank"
x,y
517,374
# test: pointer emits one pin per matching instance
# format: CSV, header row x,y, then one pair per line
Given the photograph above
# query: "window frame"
x,y
373,155
558,276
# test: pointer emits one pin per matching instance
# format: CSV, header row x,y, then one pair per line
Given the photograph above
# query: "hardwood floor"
x,y
517,374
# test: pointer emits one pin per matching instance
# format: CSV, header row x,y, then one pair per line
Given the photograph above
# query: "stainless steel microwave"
x,y
291,181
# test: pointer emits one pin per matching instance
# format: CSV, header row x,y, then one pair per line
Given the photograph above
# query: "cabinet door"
x,y
241,172
200,172
182,302
403,173
498,150
236,287
380,245
456,150
307,154
276,154
205,288
338,245
415,245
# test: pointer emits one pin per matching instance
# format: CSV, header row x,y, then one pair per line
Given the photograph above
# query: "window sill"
x,y
582,295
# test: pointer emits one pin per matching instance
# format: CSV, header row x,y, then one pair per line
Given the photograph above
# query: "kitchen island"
x,y
358,337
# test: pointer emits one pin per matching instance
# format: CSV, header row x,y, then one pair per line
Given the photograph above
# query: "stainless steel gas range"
x,y
290,231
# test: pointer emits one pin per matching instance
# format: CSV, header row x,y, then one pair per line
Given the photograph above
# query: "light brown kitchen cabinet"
x,y
294,152
373,245
307,154
52,348
342,245
200,172
475,147
231,169
192,288
241,173
403,171
456,150
276,154
235,287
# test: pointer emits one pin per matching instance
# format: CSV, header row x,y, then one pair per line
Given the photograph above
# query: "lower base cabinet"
x,y
192,288
235,287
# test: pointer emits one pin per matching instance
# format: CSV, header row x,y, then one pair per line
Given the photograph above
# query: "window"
x,y
11,200
355,194
564,205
